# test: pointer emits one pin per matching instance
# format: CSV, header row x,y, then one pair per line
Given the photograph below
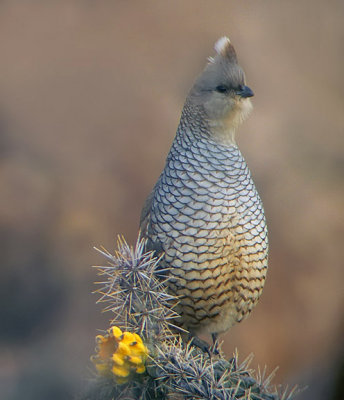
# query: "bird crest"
x,y
224,48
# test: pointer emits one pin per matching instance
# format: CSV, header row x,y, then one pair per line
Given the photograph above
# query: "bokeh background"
x,y
90,98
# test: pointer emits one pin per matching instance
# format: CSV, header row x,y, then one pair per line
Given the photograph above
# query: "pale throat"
x,y
224,129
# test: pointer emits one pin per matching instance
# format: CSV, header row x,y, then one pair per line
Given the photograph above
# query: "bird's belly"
x,y
219,286
213,233
218,262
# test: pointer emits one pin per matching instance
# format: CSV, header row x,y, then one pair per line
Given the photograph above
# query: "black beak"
x,y
245,91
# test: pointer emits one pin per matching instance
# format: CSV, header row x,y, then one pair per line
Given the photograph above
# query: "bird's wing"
x,y
145,227
145,214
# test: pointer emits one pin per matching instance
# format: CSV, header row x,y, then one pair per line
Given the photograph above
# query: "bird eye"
x,y
222,89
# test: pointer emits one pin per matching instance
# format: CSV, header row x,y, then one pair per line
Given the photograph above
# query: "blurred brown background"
x,y
90,98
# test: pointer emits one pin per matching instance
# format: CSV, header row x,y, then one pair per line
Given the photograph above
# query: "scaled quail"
x,y
204,214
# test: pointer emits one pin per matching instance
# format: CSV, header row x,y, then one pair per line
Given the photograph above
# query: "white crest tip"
x,y
221,44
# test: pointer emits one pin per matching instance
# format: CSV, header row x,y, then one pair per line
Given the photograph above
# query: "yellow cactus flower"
x,y
119,354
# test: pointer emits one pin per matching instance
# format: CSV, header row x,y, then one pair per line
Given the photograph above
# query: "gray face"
x,y
221,89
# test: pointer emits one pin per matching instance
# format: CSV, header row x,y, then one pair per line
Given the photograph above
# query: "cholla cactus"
x,y
142,356
133,293
184,372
